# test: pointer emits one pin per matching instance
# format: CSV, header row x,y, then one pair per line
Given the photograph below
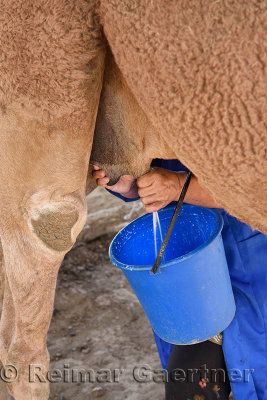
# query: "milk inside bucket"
x,y
190,298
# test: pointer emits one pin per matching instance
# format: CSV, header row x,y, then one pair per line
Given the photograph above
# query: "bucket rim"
x,y
176,260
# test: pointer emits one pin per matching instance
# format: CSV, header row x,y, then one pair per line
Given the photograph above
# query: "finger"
x,y
99,174
102,181
145,180
158,205
147,191
153,198
95,167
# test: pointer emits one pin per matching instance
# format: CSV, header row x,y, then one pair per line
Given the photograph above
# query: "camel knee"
x,y
54,228
57,223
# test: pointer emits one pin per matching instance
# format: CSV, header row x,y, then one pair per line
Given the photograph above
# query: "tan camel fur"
x,y
187,83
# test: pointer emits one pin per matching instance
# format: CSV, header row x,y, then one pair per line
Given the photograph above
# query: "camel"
x,y
151,79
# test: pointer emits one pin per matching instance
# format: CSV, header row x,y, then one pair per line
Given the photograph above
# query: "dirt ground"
x,y
100,340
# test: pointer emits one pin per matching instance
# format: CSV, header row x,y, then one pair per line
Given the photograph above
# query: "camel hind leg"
x,y
4,395
36,230
49,94
42,210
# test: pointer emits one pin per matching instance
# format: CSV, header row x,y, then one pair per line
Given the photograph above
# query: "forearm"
x,y
196,194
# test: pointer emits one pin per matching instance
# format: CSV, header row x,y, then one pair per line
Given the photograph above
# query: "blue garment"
x,y
245,339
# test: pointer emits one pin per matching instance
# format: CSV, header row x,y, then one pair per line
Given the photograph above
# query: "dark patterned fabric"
x,y
197,372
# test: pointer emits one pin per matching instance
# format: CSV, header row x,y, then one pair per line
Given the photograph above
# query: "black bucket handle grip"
x,y
172,223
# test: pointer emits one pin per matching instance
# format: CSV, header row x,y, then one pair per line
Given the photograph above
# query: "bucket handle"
x,y
172,223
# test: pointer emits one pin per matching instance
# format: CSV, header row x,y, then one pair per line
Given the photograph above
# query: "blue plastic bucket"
x,y
190,298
